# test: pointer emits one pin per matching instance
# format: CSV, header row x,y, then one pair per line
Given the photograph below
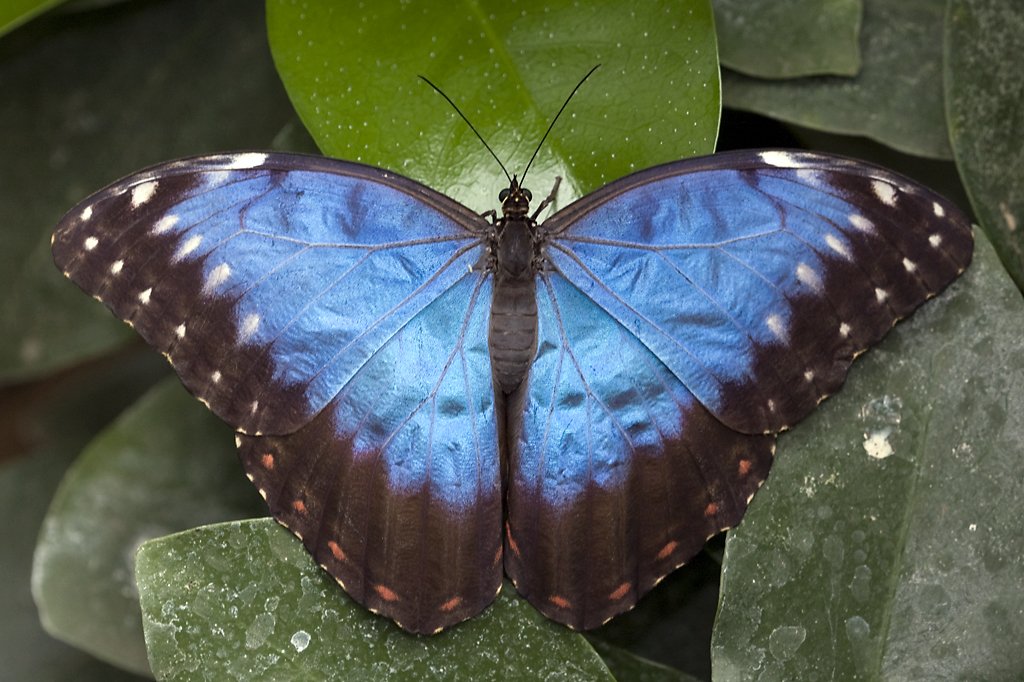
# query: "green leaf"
x,y
55,420
789,38
245,600
165,465
14,13
94,96
353,80
985,105
887,542
895,99
628,666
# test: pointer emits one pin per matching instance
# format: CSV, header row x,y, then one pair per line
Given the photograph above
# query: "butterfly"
x,y
431,398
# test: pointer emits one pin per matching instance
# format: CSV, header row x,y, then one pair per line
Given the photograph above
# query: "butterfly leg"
x,y
548,200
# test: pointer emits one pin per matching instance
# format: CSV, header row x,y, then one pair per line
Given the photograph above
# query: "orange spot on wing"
x,y
451,604
299,506
667,550
336,550
267,461
385,592
711,509
497,555
744,467
620,592
560,602
511,542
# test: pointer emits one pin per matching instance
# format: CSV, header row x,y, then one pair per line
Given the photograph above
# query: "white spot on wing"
x,y
909,265
810,176
86,213
179,331
145,295
935,240
165,223
861,223
249,326
190,245
837,245
807,275
116,267
777,327
937,208
255,405
215,377
881,295
247,160
143,193
780,159
217,276
91,243
885,192
844,330
809,375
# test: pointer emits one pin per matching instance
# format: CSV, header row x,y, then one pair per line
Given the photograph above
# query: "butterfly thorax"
x,y
512,334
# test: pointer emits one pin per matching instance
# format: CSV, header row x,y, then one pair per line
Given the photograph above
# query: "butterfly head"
x,y
515,200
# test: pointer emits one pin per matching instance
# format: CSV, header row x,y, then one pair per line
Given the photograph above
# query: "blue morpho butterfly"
x,y
429,398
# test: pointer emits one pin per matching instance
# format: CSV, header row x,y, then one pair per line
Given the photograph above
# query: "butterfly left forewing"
x,y
617,474
250,271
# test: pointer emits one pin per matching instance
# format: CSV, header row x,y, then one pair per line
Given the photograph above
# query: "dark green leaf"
x,y
353,80
887,542
57,418
895,99
627,666
789,38
14,13
245,600
165,465
95,95
985,104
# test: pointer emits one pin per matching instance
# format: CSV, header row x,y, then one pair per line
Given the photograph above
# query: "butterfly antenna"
x,y
554,120
471,127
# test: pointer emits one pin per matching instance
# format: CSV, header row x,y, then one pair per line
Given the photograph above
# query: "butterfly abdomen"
x,y
512,332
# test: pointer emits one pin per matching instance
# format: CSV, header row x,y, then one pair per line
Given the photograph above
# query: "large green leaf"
x,y
895,99
95,95
887,542
165,465
245,600
49,424
985,104
353,79
789,38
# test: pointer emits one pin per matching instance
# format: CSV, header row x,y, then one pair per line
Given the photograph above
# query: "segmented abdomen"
x,y
512,333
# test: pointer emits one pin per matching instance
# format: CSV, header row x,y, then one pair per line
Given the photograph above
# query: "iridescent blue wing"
x,y
757,277
690,311
323,307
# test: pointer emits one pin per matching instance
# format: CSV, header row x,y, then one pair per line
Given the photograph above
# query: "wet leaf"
x,y
244,600
887,542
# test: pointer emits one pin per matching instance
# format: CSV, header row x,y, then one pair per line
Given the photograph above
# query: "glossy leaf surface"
x,y
789,38
887,542
293,622
985,105
896,98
